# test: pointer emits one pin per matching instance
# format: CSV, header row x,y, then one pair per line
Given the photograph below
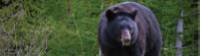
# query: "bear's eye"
x,y
130,29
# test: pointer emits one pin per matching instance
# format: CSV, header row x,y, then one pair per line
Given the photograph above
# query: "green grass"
x,y
74,37
46,29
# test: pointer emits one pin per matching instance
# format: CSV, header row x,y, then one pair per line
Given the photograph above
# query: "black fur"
x,y
146,38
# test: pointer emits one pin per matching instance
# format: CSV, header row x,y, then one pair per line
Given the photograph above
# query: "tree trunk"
x,y
179,35
68,7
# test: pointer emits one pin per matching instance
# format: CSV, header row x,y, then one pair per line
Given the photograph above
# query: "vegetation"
x,y
45,27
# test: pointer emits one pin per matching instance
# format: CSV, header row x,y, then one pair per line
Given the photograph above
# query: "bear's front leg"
x,y
138,48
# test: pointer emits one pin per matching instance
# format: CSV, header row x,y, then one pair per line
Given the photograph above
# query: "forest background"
x,y
69,27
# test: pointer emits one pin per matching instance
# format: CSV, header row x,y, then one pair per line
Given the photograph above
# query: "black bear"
x,y
129,29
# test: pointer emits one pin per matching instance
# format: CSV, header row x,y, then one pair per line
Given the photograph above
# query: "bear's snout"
x,y
125,37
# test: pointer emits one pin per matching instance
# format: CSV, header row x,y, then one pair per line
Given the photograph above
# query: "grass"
x,y
44,28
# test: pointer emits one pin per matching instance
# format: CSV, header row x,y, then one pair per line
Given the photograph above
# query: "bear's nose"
x,y
127,40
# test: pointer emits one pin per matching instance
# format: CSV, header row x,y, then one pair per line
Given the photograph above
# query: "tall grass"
x,y
43,28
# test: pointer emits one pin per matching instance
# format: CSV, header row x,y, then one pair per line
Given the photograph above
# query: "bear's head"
x,y
121,25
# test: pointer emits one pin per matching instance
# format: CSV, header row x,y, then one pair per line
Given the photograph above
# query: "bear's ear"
x,y
133,14
110,15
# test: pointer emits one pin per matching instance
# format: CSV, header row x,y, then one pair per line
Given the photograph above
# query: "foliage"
x,y
42,27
